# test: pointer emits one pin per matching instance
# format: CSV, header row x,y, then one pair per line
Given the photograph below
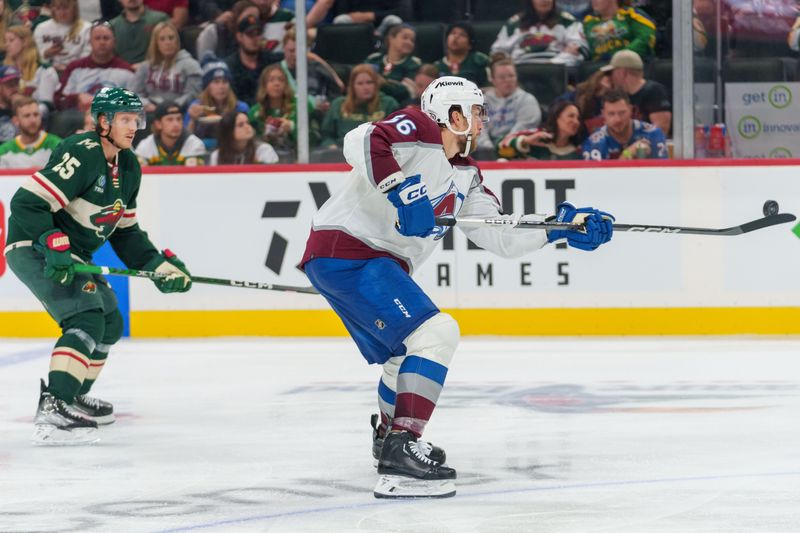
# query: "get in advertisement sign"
x,y
763,119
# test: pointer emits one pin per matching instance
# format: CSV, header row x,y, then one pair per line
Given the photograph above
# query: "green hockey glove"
x,y
176,276
59,267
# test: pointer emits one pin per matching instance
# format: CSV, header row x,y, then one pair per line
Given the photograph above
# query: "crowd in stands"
x,y
563,79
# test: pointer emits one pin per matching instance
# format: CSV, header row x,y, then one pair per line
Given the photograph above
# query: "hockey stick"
x,y
95,269
761,223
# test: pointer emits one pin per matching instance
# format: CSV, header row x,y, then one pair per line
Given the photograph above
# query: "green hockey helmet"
x,y
111,100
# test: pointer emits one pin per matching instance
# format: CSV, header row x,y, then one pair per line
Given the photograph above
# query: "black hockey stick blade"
x,y
761,223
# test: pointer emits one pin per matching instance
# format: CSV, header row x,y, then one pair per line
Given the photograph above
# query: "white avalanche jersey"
x,y
358,221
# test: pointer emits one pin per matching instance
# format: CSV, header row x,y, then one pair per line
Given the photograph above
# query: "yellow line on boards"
x,y
545,322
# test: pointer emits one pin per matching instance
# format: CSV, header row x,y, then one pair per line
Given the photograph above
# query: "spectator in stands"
x,y
63,38
101,68
576,8
623,137
364,102
176,10
9,89
219,37
461,58
169,74
5,22
380,13
794,36
560,139
133,28
38,81
169,144
274,22
588,96
33,146
238,144
425,76
542,33
510,108
323,83
610,28
399,64
274,116
216,99
649,98
247,63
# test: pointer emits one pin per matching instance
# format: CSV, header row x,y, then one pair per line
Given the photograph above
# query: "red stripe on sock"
x,y
409,405
78,359
97,364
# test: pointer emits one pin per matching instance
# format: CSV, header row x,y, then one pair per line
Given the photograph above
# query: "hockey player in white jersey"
x,y
372,234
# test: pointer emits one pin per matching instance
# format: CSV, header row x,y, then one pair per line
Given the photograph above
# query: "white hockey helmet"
x,y
448,91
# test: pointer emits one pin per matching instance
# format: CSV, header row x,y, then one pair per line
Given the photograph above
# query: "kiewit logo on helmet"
x,y
447,83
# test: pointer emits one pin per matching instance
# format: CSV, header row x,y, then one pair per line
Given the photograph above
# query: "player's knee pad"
x,y
88,326
436,339
114,326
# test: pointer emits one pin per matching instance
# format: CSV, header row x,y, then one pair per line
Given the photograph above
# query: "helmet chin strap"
x,y
107,136
467,133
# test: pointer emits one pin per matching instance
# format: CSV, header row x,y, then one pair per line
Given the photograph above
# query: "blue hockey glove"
x,y
414,210
58,264
598,227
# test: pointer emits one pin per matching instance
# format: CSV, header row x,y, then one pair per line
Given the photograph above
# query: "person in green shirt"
x,y
560,139
610,28
84,196
33,146
364,102
398,65
274,116
461,58
132,29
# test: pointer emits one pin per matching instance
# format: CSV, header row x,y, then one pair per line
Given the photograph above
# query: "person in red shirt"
x,y
178,10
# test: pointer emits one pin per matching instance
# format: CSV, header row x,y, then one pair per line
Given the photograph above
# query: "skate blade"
x,y
394,487
48,435
103,420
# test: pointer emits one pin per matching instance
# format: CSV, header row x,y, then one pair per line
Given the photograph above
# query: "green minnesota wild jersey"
x,y
14,154
475,68
629,29
86,197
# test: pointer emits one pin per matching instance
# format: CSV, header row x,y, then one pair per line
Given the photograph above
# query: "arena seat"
x,y
349,44
545,81
430,41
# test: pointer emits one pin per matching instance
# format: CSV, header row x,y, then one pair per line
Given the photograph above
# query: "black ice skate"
x,y
406,472
433,452
94,409
58,424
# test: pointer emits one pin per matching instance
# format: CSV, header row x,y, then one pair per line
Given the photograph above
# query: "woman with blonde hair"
x,y
364,102
274,116
63,38
168,74
38,80
5,19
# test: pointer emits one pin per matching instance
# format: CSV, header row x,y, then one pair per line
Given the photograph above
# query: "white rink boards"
x,y
560,435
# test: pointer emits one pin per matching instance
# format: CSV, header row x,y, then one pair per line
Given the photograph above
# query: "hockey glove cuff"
x,y
598,227
174,277
415,216
55,247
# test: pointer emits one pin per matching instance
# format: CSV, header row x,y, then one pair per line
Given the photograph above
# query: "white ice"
x,y
547,435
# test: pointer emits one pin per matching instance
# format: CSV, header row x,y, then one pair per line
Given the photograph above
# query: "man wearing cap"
x,y
461,58
248,62
133,28
33,146
649,98
9,87
169,144
101,68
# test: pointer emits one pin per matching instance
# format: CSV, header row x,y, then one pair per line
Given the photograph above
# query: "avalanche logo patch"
x,y
89,287
446,205
107,219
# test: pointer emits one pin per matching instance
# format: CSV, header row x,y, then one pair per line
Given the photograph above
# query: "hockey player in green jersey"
x,y
85,196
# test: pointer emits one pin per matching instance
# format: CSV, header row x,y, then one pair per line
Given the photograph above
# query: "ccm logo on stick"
x,y
655,230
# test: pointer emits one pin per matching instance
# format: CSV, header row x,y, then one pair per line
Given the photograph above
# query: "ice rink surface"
x,y
557,435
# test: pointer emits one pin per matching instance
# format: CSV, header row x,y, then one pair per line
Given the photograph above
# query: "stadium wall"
x,y
251,223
